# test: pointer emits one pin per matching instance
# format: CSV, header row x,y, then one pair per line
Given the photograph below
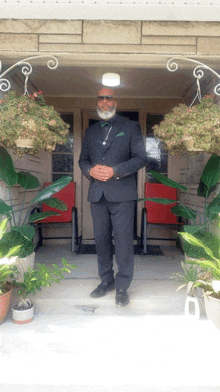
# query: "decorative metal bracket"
x,y
198,73
5,85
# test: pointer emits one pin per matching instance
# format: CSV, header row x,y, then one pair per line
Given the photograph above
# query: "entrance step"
x,y
147,297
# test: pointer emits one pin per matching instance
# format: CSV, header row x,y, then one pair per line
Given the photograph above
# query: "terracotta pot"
x,y
212,306
22,316
189,143
4,303
24,143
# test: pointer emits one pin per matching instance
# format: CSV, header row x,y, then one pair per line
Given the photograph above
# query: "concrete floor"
x,y
77,343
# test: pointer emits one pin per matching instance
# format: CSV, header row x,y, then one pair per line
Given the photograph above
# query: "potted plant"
x,y
195,128
29,125
189,279
5,289
36,279
209,279
17,231
200,218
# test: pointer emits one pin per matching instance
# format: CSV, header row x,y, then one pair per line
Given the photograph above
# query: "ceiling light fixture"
x,y
111,79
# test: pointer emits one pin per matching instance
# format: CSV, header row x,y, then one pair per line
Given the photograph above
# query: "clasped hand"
x,y
101,173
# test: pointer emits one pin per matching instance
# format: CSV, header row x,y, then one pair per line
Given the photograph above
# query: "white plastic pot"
x,y
22,316
22,264
212,306
25,143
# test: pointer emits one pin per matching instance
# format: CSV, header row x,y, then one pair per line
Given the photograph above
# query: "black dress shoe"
x,y
102,289
122,297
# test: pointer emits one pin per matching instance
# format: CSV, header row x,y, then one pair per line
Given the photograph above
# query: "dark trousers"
x,y
117,217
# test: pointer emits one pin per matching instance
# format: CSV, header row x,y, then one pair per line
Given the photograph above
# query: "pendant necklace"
x,y
106,138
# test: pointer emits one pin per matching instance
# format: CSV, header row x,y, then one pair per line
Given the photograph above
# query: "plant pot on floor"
x,y
4,302
22,316
212,306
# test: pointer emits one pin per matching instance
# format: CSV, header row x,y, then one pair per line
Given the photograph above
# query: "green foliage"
x,y
27,181
15,239
38,278
209,266
7,170
18,242
30,117
201,121
189,277
166,181
208,181
5,272
3,227
208,239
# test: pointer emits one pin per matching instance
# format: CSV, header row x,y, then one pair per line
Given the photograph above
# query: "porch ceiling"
x,y
69,80
135,82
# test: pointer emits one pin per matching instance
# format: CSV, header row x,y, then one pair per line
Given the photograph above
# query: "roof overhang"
x,y
152,10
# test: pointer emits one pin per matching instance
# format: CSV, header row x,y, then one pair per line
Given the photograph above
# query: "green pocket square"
x,y
120,134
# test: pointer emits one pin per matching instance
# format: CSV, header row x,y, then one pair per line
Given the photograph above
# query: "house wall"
x,y
119,41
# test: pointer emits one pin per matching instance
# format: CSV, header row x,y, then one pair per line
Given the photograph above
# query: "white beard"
x,y
107,114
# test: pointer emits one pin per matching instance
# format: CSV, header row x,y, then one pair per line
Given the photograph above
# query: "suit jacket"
x,y
124,151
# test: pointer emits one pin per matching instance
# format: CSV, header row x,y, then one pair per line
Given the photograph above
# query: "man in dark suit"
x,y
112,152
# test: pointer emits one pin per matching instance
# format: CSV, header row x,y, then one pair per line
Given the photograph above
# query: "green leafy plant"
x,y
5,272
18,241
210,269
189,278
201,218
201,121
209,239
28,116
38,278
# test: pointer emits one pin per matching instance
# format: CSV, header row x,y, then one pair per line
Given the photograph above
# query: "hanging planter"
x,y
28,125
200,122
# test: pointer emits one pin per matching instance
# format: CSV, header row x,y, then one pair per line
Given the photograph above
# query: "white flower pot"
x,y
25,143
189,143
22,264
22,316
212,306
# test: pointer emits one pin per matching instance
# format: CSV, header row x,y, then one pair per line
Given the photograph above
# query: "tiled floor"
x,y
76,343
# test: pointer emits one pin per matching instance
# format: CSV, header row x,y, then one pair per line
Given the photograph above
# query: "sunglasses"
x,y
107,97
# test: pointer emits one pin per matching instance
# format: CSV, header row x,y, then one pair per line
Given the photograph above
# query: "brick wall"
x,y
105,36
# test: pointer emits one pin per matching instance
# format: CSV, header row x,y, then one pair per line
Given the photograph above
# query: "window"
x,y
157,157
62,157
